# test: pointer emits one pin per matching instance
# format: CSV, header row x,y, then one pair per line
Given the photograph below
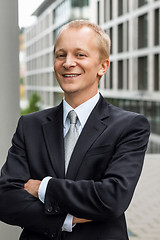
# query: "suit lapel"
x,y
53,134
93,128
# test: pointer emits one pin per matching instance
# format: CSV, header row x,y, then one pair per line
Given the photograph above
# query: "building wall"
x,y
133,79
9,89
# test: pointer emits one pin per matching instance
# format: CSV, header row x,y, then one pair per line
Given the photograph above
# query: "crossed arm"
x,y
110,196
103,199
32,187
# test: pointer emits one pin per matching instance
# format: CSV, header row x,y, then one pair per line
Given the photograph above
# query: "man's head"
x,y
80,59
103,40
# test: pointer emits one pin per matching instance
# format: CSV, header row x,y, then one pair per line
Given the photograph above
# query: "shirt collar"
x,y
83,111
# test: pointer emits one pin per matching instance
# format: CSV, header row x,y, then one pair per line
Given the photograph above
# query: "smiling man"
x,y
72,170
78,64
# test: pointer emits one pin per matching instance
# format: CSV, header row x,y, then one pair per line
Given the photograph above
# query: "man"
x,y
72,170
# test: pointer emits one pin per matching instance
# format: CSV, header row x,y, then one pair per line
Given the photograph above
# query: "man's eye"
x,y
61,55
80,55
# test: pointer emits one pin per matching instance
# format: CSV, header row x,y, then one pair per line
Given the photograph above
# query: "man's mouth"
x,y
70,75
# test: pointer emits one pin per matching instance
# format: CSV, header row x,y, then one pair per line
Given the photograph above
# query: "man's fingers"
x,y
80,220
32,187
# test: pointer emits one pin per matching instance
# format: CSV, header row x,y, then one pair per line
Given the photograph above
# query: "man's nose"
x,y
69,62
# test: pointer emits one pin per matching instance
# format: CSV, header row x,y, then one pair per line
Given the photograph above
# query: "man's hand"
x,y
80,220
32,187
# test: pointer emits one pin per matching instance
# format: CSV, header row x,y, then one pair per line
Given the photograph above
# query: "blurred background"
x,y
27,82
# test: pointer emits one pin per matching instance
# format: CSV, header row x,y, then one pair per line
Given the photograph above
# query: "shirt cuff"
x,y
42,188
67,225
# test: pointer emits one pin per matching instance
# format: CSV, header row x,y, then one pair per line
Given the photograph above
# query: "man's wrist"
x,y
42,188
67,225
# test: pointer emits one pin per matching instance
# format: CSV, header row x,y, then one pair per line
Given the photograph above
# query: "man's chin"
x,y
70,90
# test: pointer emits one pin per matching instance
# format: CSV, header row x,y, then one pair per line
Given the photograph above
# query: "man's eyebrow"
x,y
80,49
76,49
61,49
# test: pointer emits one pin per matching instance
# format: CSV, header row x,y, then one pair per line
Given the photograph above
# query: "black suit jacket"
x,y
102,174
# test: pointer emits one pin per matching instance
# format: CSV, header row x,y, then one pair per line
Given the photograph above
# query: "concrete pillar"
x,y
9,88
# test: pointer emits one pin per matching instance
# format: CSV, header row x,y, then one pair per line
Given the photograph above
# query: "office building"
x,y
133,79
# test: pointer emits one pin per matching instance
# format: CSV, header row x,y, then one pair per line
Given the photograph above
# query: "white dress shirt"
x,y
83,111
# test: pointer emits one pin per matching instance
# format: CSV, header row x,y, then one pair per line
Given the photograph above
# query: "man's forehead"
x,y
82,34
86,30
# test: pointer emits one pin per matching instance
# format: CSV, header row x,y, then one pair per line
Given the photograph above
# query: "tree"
x,y
34,104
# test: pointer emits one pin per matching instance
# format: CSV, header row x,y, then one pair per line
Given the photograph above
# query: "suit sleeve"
x,y
109,197
17,206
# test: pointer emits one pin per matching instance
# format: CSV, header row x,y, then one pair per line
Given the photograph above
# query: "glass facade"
x,y
120,74
133,79
142,73
77,3
142,31
142,2
120,7
111,9
157,27
156,72
120,37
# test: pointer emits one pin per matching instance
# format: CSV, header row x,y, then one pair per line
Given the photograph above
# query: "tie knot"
x,y
72,117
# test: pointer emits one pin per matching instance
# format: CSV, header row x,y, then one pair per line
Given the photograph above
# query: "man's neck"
x,y
74,100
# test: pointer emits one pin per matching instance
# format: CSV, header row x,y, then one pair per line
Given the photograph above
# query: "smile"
x,y
70,75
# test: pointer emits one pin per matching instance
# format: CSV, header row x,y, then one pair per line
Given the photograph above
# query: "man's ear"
x,y
103,67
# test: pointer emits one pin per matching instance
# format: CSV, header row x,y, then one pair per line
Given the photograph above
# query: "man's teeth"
x,y
71,75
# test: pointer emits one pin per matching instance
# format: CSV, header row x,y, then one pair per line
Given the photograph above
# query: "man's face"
x,y
77,62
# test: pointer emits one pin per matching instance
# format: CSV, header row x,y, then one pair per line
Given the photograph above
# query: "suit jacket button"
x,y
53,235
46,233
57,209
50,209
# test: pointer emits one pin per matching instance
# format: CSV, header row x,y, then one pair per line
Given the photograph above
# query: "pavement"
x,y
143,214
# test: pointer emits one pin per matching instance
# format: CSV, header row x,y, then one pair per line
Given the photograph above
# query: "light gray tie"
x,y
71,137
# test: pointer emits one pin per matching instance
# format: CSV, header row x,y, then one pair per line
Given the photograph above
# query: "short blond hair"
x,y
103,38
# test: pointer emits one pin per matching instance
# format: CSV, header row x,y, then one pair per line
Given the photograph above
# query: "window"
x,y
156,72
142,2
120,37
127,36
142,73
54,15
77,3
156,27
120,74
120,7
111,37
111,9
98,9
111,78
127,69
142,31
